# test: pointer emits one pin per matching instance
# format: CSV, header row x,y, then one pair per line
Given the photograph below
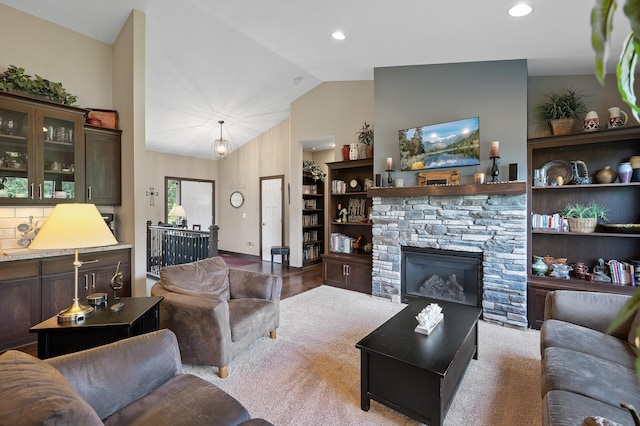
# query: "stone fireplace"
x,y
491,225
453,276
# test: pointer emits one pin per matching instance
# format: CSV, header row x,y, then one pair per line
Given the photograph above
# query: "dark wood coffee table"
x,y
415,374
140,315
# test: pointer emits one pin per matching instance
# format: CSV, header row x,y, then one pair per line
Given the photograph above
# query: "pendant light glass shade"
x,y
221,146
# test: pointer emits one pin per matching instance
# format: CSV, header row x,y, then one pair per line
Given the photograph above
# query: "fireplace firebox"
x,y
448,275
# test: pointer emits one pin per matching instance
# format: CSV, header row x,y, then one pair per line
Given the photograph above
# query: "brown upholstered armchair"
x,y
217,311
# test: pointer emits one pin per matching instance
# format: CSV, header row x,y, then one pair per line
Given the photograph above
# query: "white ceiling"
x,y
245,61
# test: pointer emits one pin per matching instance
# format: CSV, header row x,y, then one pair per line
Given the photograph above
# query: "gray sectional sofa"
x,y
585,371
136,381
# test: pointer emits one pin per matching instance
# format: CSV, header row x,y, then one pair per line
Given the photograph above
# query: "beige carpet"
x,y
310,374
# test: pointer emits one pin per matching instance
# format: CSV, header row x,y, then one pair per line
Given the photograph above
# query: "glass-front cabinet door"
x,y
41,154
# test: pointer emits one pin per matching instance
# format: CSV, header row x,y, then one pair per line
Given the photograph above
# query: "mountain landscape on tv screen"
x,y
452,144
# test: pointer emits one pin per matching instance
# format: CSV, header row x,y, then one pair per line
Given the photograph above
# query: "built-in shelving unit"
x,y
312,220
348,261
597,150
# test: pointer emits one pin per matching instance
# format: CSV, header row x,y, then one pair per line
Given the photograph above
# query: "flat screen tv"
x,y
451,144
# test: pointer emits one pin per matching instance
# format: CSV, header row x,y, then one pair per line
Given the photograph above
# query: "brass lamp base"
x,y
76,312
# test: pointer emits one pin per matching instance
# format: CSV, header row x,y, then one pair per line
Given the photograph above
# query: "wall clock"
x,y
236,199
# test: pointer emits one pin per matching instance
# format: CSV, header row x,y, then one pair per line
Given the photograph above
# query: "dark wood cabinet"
x,y
19,302
351,273
41,151
34,290
597,150
103,166
312,220
346,264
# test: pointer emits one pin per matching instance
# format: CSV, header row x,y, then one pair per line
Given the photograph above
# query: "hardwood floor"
x,y
294,281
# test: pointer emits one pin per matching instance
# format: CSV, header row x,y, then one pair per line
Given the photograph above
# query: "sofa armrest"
x,y
256,285
588,309
112,376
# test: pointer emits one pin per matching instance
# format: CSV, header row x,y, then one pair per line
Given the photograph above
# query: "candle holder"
x,y
389,178
494,169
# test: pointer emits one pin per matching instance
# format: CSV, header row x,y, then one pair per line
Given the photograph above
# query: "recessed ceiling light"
x,y
521,9
338,35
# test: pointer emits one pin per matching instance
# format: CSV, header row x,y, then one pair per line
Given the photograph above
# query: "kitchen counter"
x,y
25,253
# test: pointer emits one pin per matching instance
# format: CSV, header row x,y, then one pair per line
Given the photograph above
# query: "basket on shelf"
x,y
584,225
562,127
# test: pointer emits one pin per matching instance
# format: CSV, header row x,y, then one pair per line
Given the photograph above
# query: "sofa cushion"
x,y
203,278
590,376
563,334
251,317
185,399
561,408
33,392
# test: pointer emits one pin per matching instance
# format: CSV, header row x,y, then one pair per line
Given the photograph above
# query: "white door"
x,y
271,214
197,201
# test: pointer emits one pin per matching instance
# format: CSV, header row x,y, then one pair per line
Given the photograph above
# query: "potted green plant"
x,y
560,110
365,137
584,217
311,167
14,79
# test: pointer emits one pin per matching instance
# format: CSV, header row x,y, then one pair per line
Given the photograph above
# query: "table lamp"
x,y
73,226
178,212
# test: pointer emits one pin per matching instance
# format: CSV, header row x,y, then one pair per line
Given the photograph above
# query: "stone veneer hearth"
x,y
492,224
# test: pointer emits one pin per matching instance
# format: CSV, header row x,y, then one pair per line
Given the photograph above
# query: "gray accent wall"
x,y
410,96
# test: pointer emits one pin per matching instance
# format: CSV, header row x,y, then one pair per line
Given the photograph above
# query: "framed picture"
x,y
451,144
444,177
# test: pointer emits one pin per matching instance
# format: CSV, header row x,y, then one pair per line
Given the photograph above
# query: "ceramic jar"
x,y
625,171
606,175
345,152
538,267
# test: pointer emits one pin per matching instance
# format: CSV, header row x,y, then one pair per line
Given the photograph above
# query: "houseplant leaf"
x,y
627,310
625,73
601,26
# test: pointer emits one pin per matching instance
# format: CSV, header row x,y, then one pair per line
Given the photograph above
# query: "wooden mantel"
x,y
500,188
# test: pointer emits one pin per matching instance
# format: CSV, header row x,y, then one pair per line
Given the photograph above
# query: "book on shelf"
x,y
551,222
309,236
311,252
309,220
622,273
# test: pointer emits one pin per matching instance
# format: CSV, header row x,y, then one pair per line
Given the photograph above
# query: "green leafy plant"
x,y
584,211
557,106
15,78
314,169
365,134
601,28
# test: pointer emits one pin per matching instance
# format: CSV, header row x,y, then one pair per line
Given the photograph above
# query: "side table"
x,y
140,315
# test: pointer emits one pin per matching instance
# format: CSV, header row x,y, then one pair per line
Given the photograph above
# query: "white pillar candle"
x,y
389,163
495,145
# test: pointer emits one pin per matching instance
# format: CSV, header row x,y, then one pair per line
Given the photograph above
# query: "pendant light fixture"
x,y
221,146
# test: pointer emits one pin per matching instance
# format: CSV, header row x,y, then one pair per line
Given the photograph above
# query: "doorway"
x,y
271,215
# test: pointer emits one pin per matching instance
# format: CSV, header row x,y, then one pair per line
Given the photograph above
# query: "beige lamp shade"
x,y
73,226
178,211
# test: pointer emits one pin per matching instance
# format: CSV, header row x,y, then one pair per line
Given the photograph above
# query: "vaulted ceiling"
x,y
245,61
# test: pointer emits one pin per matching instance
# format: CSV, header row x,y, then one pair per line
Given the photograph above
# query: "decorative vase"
x,y
353,152
369,151
606,175
538,267
624,172
345,152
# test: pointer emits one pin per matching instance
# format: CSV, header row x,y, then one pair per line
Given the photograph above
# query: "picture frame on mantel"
x,y
441,177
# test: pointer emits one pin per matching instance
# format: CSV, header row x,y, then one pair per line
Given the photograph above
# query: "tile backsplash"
x,y
11,217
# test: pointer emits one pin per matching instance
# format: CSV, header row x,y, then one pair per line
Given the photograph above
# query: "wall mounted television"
x,y
450,144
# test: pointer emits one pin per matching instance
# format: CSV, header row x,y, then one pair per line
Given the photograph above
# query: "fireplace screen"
x,y
454,276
